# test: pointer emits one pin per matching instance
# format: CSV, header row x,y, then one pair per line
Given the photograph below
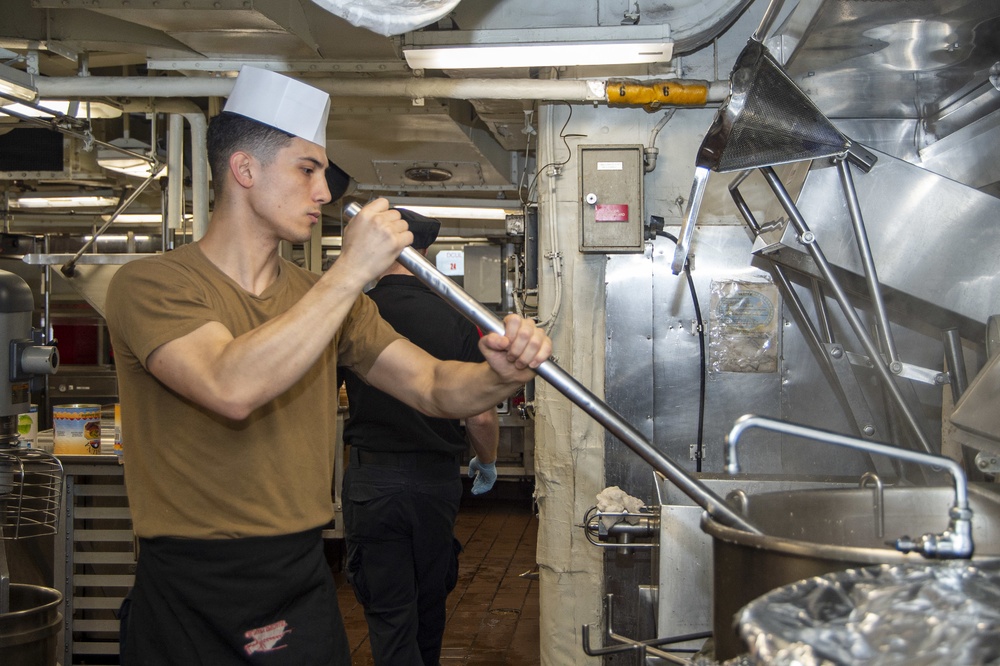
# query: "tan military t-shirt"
x,y
192,473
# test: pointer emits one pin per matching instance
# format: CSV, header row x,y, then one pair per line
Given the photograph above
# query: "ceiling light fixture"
x,y
118,238
138,218
35,200
537,55
51,108
17,84
459,213
128,156
549,47
457,209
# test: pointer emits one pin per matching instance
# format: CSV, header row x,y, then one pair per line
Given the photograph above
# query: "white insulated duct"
x,y
389,17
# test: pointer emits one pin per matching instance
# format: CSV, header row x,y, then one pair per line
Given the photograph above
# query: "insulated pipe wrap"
x,y
657,93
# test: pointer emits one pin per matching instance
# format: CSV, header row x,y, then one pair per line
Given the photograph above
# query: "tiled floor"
x,y
493,611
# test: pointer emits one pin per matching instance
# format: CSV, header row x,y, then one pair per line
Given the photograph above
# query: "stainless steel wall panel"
x,y
720,253
629,367
918,223
685,574
659,375
629,390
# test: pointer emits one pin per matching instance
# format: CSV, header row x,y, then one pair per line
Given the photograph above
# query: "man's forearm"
x,y
483,431
461,390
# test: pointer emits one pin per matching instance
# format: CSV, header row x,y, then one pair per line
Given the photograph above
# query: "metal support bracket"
x,y
904,370
641,649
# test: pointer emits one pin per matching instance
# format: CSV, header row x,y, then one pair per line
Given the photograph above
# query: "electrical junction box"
x,y
611,199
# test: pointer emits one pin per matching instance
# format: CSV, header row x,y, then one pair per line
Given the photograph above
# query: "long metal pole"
x,y
478,314
69,267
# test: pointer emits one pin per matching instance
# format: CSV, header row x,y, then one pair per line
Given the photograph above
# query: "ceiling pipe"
x,y
175,168
198,123
171,95
590,90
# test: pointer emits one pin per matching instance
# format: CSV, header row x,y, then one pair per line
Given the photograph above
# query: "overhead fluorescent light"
x,y
538,55
540,47
118,238
458,208
129,157
44,109
136,218
35,200
17,84
459,213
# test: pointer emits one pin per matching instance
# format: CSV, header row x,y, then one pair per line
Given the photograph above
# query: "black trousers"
x,y
230,602
402,556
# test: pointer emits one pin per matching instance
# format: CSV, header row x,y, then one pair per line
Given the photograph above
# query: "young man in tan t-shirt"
x,y
226,357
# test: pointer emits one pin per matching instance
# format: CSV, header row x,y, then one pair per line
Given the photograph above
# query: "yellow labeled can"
x,y
76,429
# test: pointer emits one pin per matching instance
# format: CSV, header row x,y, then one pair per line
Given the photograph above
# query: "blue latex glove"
x,y
485,475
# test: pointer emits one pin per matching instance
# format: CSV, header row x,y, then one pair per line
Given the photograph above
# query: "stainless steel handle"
x,y
478,314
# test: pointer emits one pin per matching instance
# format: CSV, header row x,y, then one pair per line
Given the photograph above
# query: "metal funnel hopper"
x,y
765,121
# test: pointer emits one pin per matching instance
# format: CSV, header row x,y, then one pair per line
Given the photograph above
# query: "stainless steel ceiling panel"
x,y
215,27
103,38
892,58
423,128
226,42
188,16
377,163
393,173
693,23
400,141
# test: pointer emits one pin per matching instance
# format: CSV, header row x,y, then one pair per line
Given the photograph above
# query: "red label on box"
x,y
611,213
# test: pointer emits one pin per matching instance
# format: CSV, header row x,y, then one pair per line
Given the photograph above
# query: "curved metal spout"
x,y
955,542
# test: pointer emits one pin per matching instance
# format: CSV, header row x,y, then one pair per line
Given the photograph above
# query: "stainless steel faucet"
x,y
954,543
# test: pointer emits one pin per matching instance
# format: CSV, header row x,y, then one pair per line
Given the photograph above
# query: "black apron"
x,y
220,602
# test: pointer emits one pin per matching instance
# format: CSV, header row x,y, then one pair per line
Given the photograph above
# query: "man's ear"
x,y
242,166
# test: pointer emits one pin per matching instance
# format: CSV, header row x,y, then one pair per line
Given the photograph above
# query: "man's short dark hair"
x,y
230,132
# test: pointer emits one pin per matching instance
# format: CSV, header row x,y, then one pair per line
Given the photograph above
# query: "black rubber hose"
x,y
701,349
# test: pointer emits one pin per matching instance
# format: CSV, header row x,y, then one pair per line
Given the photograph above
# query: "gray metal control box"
x,y
611,198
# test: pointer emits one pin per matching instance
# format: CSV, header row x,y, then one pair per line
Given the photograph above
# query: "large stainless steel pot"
x,y
812,532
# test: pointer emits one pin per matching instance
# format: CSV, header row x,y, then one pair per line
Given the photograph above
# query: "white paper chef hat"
x,y
282,102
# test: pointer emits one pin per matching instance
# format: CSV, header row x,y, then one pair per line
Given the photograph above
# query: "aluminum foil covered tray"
x,y
928,613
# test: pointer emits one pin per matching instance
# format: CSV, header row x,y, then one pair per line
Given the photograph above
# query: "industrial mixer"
x,y
30,483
